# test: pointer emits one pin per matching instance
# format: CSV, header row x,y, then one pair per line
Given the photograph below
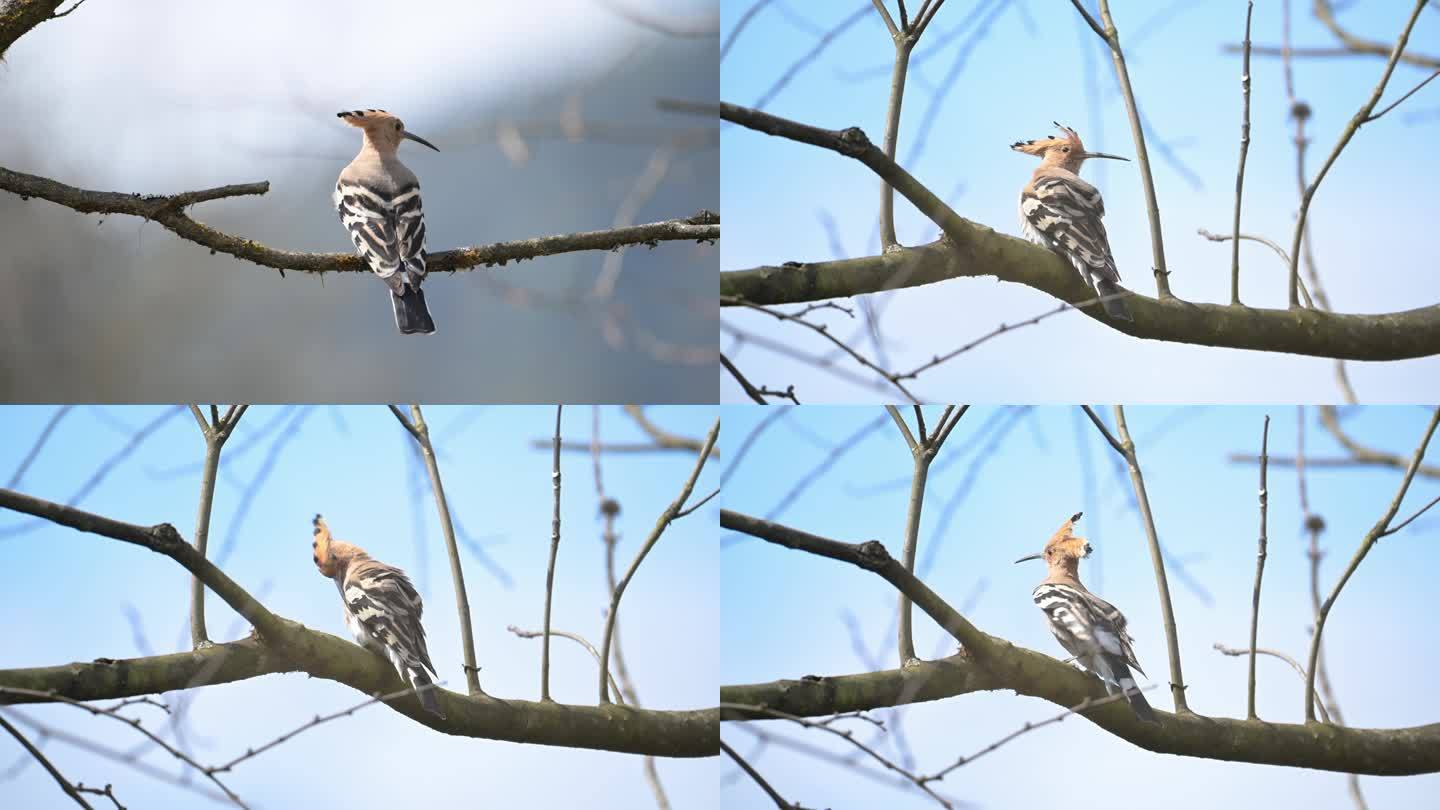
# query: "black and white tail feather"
x,y
1094,631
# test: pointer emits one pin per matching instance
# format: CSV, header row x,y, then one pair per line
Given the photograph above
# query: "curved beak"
x,y
1088,155
416,138
1030,557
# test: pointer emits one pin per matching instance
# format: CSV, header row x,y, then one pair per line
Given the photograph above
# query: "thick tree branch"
x,y
17,17
286,646
169,212
970,249
1391,752
689,733
1390,336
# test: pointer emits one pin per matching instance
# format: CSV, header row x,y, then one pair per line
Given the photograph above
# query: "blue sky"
x,y
1032,65
72,593
784,610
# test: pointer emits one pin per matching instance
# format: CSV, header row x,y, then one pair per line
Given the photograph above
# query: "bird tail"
x,y
425,691
1121,675
1111,291
411,314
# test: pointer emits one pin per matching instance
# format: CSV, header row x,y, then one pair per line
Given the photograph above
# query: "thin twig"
x,y
1365,545
1397,101
578,639
52,695
1239,187
317,720
550,569
1259,563
1142,157
25,743
1349,132
661,523
1081,707
844,734
1157,559
755,775
1299,670
417,428
215,433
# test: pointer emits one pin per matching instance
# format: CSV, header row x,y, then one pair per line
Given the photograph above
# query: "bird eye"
x,y
1064,149
399,126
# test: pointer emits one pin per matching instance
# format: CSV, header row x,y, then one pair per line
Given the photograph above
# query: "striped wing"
x,y
384,605
388,230
1064,212
1084,623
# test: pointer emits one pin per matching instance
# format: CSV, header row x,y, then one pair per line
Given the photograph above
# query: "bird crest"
x,y
1068,142
330,555
1064,545
382,129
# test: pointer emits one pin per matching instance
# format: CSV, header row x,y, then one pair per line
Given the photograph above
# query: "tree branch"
x,y
1240,186
286,646
661,524
1389,336
1389,752
215,432
1142,156
169,212
969,249
17,17
1351,128
1375,533
550,569
421,433
1259,566
1172,636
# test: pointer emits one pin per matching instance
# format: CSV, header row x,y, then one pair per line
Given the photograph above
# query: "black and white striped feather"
x,y
383,612
1063,212
387,224
1094,631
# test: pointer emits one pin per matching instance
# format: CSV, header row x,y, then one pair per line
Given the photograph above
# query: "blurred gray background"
x,y
548,124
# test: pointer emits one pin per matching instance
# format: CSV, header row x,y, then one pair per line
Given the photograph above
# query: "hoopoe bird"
x,y
378,199
1088,627
1062,212
382,610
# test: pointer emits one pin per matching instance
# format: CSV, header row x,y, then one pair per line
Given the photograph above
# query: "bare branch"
x,y
578,639
215,433
661,524
1157,559
1375,533
1299,670
755,775
1259,565
1239,187
54,772
1349,132
169,212
550,569
417,428
1142,157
